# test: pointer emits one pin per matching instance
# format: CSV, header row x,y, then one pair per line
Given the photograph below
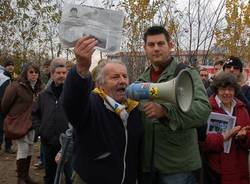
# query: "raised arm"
x,y
78,84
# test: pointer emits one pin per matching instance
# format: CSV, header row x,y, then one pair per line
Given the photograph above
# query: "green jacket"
x,y
176,143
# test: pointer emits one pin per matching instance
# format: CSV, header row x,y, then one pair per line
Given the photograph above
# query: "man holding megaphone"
x,y
171,153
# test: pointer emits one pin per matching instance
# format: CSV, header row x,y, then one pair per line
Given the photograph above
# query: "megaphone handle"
x,y
141,104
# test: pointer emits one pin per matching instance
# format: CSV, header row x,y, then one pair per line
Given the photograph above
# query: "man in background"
x,y
218,66
204,77
5,80
45,72
49,114
234,65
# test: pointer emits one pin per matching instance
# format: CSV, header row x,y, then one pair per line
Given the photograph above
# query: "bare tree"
x,y
195,25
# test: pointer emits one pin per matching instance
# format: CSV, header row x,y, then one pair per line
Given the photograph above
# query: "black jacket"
x,y
99,135
246,91
5,80
49,115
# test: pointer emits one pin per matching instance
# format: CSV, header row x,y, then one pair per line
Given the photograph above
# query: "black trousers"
x,y
50,152
8,142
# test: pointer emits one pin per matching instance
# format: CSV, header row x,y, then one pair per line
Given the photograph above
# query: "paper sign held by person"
x,y
102,24
218,123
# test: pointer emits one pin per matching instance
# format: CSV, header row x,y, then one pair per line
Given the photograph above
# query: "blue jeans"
x,y
178,178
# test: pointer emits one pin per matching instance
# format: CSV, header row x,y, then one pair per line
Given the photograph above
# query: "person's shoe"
x,y
39,165
10,151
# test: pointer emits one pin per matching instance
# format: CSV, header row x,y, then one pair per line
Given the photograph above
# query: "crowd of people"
x,y
116,140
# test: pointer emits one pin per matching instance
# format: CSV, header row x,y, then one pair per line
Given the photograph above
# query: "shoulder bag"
x,y
17,126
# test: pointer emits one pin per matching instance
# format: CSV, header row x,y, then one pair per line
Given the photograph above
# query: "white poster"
x,y
218,123
102,24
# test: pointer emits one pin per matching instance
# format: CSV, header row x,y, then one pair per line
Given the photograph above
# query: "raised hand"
x,y
84,50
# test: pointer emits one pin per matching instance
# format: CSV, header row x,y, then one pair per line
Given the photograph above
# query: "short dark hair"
x,y
203,69
73,9
156,30
47,62
8,62
219,62
225,80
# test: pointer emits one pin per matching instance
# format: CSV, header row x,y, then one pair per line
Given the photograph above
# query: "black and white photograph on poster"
x,y
73,12
218,126
102,24
219,123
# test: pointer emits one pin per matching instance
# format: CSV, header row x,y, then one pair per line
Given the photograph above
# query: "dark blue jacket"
x,y
99,135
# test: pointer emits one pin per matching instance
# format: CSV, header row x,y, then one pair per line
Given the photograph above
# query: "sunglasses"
x,y
234,67
32,72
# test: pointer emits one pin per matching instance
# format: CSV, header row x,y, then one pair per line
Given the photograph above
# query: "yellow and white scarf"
x,y
122,110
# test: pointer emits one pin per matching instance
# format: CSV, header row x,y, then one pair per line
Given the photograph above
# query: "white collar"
x,y
221,105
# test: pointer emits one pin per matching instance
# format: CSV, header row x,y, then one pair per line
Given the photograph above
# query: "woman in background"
x,y
232,167
19,96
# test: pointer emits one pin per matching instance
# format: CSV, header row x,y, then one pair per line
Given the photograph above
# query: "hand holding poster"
x,y
218,123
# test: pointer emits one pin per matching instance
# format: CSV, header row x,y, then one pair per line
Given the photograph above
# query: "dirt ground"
x,y
8,174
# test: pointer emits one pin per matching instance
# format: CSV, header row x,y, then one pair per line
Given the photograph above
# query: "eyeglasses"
x,y
203,75
32,72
